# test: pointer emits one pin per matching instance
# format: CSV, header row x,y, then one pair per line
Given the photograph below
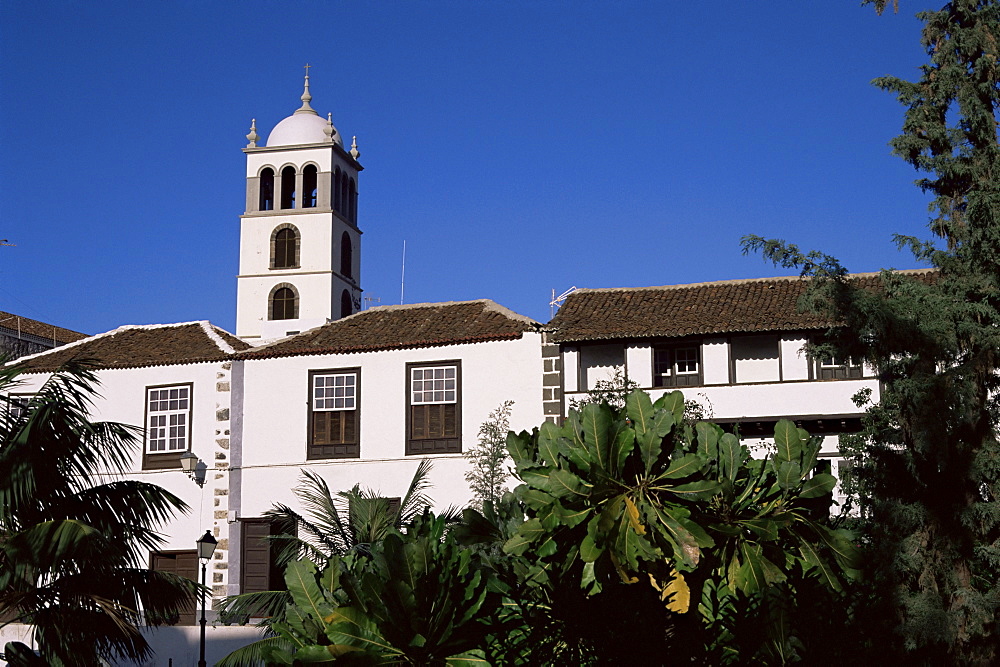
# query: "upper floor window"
x,y
352,201
284,303
838,368
677,366
334,414
309,186
285,248
168,424
346,305
346,256
266,202
335,194
434,408
288,187
756,358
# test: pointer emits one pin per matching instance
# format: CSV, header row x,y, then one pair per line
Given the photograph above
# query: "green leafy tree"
x,y
331,525
488,458
927,465
417,599
72,543
639,539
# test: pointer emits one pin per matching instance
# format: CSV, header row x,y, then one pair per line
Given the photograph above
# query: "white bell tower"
x,y
300,246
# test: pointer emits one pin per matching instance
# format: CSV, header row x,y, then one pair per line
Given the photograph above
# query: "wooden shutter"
x,y
183,564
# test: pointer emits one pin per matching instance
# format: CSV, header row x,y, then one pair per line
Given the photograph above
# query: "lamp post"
x,y
206,547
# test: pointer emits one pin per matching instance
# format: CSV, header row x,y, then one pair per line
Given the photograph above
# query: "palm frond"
x,y
416,501
254,655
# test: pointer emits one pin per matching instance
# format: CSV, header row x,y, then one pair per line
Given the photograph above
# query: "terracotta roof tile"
x,y
735,306
15,323
397,327
136,346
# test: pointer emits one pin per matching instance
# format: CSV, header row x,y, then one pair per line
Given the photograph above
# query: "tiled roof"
x,y
398,327
734,306
16,323
136,346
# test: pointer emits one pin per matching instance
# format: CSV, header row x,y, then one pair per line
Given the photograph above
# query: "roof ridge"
x,y
743,281
106,334
213,335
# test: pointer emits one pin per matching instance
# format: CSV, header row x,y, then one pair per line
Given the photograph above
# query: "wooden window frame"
x,y
170,459
331,450
296,262
275,576
187,616
420,446
690,379
849,370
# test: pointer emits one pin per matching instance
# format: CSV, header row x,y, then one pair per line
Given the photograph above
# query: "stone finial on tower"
x,y
306,97
330,131
355,153
253,136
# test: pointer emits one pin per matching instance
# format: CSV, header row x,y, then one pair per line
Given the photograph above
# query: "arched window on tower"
x,y
346,307
353,203
285,247
346,256
266,190
343,194
335,195
288,187
309,189
284,303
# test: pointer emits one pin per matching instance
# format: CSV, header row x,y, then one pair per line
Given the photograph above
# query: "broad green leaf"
x,y
536,499
649,448
300,577
765,529
571,517
536,477
564,484
787,441
818,485
817,562
589,551
548,443
596,420
639,408
672,403
750,577
474,658
687,549
789,474
708,438
520,447
700,490
684,466
622,444
841,543
730,456
772,573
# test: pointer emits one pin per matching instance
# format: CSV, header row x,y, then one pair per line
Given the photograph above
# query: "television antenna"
x,y
557,301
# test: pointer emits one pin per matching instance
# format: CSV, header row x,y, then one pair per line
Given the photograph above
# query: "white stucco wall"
x,y
123,399
275,418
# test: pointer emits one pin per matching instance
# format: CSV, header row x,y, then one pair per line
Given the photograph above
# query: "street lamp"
x,y
206,547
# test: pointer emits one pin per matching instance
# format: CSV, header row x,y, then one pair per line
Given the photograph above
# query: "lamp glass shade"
x,y
206,545
189,462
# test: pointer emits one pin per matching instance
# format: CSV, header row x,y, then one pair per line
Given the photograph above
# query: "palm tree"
x,y
330,524
73,532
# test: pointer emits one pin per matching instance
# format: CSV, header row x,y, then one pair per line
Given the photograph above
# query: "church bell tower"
x,y
300,259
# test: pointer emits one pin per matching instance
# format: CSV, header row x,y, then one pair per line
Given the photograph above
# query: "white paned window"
x,y
17,405
433,384
336,391
168,412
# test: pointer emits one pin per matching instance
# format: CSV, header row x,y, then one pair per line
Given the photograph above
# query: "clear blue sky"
x,y
516,146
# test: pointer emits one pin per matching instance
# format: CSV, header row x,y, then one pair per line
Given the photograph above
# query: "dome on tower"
x,y
304,126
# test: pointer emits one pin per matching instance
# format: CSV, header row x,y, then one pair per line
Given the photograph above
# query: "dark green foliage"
x,y
71,543
631,525
417,599
927,466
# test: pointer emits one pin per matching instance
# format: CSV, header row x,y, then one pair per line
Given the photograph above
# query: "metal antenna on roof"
x,y
402,275
557,301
